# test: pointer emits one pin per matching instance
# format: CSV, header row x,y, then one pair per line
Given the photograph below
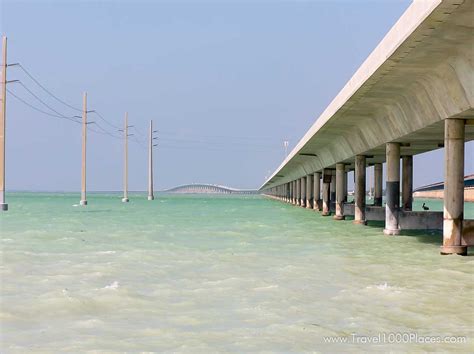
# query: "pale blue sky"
x,y
225,83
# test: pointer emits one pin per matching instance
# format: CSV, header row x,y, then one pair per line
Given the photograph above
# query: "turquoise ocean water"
x,y
220,274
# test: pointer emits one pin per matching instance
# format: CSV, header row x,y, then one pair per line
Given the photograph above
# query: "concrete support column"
x,y
316,190
407,182
298,191
340,167
332,187
290,194
345,185
392,190
303,192
295,192
359,190
326,193
454,130
378,182
309,191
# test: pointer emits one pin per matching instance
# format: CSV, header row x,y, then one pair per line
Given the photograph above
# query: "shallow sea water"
x,y
220,274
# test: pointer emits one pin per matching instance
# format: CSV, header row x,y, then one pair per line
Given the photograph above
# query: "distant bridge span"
x,y
203,188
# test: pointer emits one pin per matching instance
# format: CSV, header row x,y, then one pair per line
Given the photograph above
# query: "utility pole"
x,y
285,145
151,145
125,171
3,108
83,201
151,196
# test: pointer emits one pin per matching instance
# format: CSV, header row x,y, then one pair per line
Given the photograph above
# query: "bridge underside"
x,y
421,141
413,94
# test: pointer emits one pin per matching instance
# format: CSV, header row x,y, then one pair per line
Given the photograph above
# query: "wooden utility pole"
x,y
150,164
83,201
125,171
3,109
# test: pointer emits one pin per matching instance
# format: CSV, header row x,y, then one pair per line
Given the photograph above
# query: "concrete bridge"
x,y
413,94
202,188
436,190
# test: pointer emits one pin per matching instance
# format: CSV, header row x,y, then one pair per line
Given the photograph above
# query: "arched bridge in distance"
x,y
204,188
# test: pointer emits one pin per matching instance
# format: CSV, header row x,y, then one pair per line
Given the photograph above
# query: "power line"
x,y
139,131
220,143
40,110
40,100
205,148
46,90
60,100
222,136
57,114
105,120
103,130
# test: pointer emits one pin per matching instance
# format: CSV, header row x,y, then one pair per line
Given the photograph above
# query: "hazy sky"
x,y
224,81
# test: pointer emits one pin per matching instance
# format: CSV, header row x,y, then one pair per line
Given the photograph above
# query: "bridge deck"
x,y
420,74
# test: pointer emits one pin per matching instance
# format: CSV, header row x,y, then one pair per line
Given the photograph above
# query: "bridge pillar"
x,y
326,193
309,191
392,190
378,182
407,183
340,170
345,185
316,190
332,187
298,192
359,192
295,193
290,192
303,192
454,131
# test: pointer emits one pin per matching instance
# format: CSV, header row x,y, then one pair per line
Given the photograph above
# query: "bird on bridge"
x,y
425,207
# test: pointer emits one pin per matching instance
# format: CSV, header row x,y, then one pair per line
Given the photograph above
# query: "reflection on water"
x,y
232,274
